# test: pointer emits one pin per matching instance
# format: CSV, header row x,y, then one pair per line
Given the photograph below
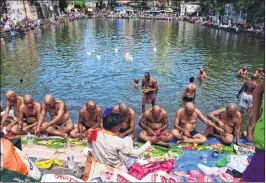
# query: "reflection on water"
x,y
57,63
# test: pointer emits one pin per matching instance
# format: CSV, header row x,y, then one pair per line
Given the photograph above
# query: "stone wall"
x,y
20,9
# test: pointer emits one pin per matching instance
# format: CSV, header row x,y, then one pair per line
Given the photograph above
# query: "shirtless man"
x,y
11,115
229,120
185,125
243,72
90,117
258,73
154,122
202,75
129,117
29,113
150,90
135,84
60,123
246,96
190,91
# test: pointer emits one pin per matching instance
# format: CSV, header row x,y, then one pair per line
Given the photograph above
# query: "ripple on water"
x,y
58,63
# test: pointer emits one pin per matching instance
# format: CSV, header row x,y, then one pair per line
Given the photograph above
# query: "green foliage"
x,y
79,3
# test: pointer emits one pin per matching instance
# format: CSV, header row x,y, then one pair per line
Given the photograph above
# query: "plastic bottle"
x,y
29,138
70,158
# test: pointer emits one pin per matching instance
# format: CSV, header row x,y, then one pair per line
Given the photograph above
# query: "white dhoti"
x,y
245,100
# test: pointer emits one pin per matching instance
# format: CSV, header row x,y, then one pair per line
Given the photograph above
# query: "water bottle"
x,y
70,158
29,138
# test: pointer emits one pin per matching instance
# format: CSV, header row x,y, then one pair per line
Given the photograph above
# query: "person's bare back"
x,y
190,91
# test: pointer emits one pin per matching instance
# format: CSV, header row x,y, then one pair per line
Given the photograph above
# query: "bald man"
x,y
129,117
202,75
90,117
29,113
190,91
13,101
150,90
60,124
154,122
186,123
229,119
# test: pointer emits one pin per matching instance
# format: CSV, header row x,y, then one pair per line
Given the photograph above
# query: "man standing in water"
x,y
90,117
60,123
12,101
150,90
190,91
246,96
129,117
256,168
29,114
185,125
154,122
243,72
229,120
202,75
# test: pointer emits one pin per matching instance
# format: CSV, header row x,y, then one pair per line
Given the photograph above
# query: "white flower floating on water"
x,y
93,51
88,53
128,56
116,50
98,57
154,49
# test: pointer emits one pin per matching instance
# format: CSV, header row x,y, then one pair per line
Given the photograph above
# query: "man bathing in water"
x,y
202,75
154,122
29,113
190,91
185,125
150,90
243,72
15,102
259,73
90,117
229,120
60,123
246,95
129,117
135,84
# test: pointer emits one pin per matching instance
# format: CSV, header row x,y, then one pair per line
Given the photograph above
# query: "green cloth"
x,y
221,163
259,132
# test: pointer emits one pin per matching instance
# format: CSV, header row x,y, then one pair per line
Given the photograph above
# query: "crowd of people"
x,y
116,132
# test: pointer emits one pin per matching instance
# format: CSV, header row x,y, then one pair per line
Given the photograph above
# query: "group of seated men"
x,y
29,115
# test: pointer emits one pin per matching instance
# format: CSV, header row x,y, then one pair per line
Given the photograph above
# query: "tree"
x,y
63,4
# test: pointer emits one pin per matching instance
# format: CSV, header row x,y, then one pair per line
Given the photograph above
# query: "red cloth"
x,y
148,98
92,135
139,171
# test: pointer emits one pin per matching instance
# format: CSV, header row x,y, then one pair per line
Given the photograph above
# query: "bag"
x,y
16,166
15,141
139,171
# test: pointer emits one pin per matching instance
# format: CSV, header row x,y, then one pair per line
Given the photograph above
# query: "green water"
x,y
57,62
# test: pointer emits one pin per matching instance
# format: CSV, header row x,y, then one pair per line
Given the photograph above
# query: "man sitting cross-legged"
x,y
185,125
154,122
60,123
29,113
90,117
229,119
